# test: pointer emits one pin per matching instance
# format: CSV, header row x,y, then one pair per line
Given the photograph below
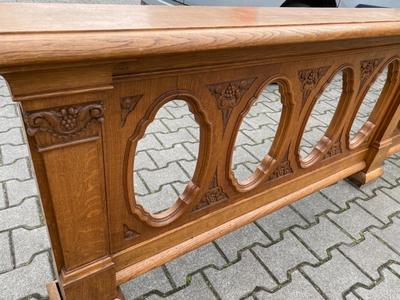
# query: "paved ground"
x,y
342,242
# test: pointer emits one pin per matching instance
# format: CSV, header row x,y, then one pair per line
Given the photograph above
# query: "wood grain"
x,y
91,82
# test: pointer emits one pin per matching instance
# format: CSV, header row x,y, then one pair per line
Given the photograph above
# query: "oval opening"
x,y
360,126
166,157
321,117
256,133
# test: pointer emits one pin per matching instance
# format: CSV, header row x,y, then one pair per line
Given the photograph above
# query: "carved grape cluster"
x,y
69,118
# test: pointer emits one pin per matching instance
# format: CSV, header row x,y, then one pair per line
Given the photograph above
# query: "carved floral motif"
x,y
228,95
129,234
309,79
128,104
214,195
336,149
64,123
368,67
282,170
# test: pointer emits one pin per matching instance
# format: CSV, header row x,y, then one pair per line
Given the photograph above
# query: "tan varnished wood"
x,y
91,82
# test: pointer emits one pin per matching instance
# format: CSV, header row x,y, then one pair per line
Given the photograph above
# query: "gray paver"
x,y
231,243
5,252
19,190
381,206
12,136
28,242
370,254
280,220
322,236
153,280
27,280
25,214
336,275
389,289
341,192
390,234
354,220
241,278
18,169
190,262
285,255
299,289
313,205
197,290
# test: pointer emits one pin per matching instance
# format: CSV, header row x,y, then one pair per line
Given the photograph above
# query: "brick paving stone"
x,y
8,111
180,136
17,170
354,220
370,254
393,193
390,234
144,161
336,275
312,205
391,172
10,153
5,253
341,192
12,136
164,157
242,138
176,124
156,126
140,188
26,214
3,202
19,190
197,290
322,236
240,278
260,120
231,243
190,262
157,202
284,255
261,133
27,280
381,206
153,280
298,289
280,220
370,188
148,142
7,123
389,289
155,179
28,242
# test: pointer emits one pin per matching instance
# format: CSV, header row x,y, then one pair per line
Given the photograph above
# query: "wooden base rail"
x,y
90,80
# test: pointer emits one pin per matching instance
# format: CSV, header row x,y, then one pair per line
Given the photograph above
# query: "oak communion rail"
x,y
91,78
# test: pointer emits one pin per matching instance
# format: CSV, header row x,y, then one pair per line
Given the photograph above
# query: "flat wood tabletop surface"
x,y
80,17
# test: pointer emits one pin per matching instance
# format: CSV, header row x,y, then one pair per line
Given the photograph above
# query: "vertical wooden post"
x,y
65,133
382,139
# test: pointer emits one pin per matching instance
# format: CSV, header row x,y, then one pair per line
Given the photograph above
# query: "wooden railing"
x,y
90,79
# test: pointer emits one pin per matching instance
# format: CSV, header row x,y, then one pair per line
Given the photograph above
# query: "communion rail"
x,y
90,80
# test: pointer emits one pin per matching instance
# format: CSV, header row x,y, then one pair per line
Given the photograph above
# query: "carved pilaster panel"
x,y
228,95
309,79
367,68
63,125
128,104
215,194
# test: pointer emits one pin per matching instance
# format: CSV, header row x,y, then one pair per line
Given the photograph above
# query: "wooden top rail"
x,y
56,33
92,78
